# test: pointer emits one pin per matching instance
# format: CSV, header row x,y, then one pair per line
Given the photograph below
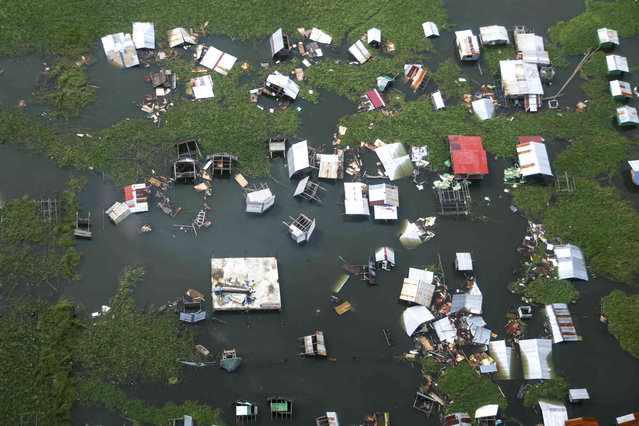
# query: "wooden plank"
x,y
344,307
241,180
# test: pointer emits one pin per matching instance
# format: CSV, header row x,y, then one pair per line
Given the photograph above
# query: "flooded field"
x,y
362,374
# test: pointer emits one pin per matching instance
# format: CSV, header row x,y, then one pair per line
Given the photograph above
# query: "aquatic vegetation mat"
x,y
622,311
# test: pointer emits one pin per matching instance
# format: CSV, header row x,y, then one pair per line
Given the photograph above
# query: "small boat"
x,y
202,350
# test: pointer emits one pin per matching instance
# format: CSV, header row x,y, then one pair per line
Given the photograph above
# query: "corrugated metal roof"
x,y
533,157
531,48
438,101
297,157
430,29
634,165
359,51
278,80
628,420
218,61
463,261
328,166
484,108
536,358
179,36
553,412
301,186
354,200
458,419
277,42
481,335
143,35
445,330
320,36
376,98
607,35
374,35
578,393
493,34
415,316
385,253
468,155
617,63
385,212
490,410
627,114
469,302
395,160
563,329
120,50
417,291
620,88
383,194
570,262
503,356
467,44
202,87
519,78
421,274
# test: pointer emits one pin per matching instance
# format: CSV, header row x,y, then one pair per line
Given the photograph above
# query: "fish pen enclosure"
x,y
82,226
453,201
281,408
187,149
49,209
222,162
565,184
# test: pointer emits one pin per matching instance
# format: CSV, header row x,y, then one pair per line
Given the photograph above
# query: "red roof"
x,y
524,139
128,193
469,156
376,98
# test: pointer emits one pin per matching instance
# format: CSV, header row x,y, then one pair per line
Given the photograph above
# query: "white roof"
x,y
178,36
563,329
354,200
503,356
385,253
571,262
553,412
218,61
616,62
470,302
421,274
578,393
383,193
374,34
533,159
385,212
430,29
494,34
487,411
484,108
464,262
119,49
628,114
536,358
481,335
279,80
277,42
467,43
414,317
301,186
445,330
143,35
320,36
438,101
202,87
531,48
607,35
634,165
396,161
628,418
259,197
520,78
136,198
620,88
359,51
417,291
332,418
475,321
297,157
328,167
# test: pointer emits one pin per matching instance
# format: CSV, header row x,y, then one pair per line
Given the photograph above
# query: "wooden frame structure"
x,y
370,272
453,201
49,209
424,403
245,411
308,189
222,162
184,168
565,184
301,228
277,146
187,149
82,226
312,345
281,408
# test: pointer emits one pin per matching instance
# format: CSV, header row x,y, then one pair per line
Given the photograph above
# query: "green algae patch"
x,y
469,390
552,389
622,311
66,88
548,290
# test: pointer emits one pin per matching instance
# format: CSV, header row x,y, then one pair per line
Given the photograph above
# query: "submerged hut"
x,y
279,43
620,90
607,37
627,116
570,262
278,84
258,199
467,45
143,35
313,345
374,37
179,36
245,411
384,198
355,201
359,52
533,157
301,228
430,29
281,408
385,258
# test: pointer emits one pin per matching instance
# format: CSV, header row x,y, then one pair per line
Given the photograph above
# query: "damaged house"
x,y
520,80
278,85
120,50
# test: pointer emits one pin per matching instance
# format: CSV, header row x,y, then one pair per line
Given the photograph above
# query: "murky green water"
x,y
364,376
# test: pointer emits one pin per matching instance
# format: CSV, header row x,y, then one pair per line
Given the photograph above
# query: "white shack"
x,y
467,45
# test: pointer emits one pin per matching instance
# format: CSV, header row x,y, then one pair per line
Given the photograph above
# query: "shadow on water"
x,y
365,375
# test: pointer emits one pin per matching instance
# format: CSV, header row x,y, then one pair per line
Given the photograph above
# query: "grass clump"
x,y
622,311
553,389
447,80
532,200
548,290
66,88
491,55
469,390
580,33
34,251
36,373
96,392
127,346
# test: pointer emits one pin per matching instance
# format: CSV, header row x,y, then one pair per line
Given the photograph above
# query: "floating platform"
x,y
258,273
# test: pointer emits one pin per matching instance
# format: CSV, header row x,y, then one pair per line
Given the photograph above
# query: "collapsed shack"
x,y
331,166
280,45
190,310
179,37
258,198
277,146
300,158
120,50
312,345
82,226
278,85
221,162
308,189
301,228
184,168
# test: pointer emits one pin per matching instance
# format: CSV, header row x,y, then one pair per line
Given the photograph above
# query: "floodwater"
x,y
363,374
